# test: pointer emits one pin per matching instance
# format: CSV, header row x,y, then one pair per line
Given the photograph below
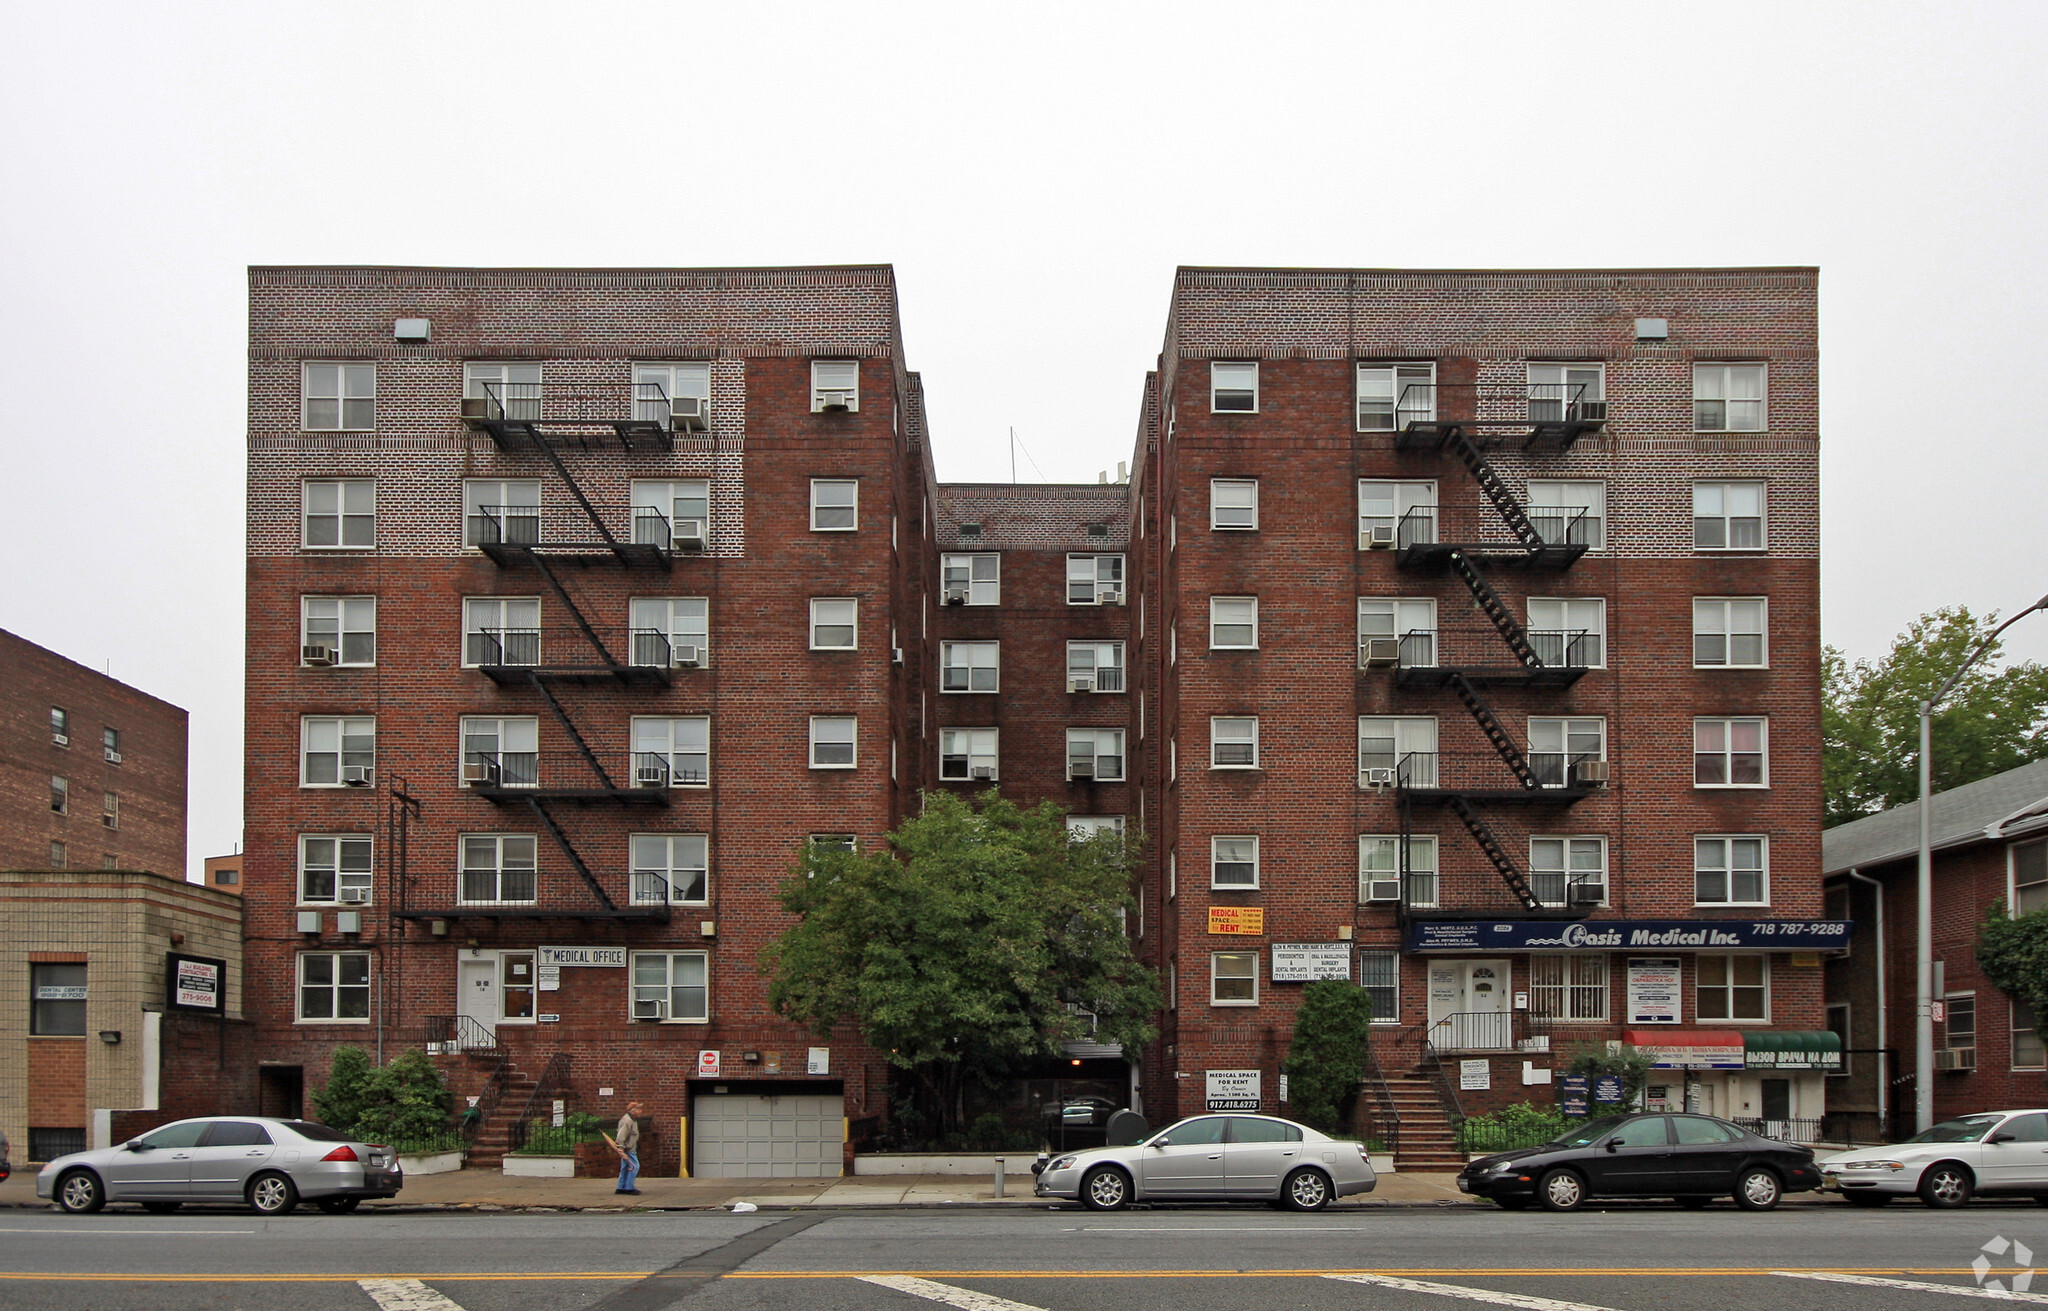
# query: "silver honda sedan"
x,y
1215,1158
268,1164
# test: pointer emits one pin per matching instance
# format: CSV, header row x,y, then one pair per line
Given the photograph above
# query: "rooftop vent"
x,y
1653,329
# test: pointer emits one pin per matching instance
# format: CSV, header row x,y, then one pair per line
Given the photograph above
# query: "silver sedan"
x,y
268,1164
1215,1158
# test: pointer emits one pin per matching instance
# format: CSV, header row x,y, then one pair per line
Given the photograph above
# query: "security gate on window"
x,y
788,1136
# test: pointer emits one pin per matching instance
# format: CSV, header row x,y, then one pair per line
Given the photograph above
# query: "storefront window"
x,y
56,1000
1568,987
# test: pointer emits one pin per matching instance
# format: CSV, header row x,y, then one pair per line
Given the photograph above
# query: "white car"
x,y
1996,1152
1215,1158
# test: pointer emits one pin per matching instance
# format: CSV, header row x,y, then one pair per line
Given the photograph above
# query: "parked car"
x,y
1694,1158
1215,1158
1997,1152
267,1163
1081,1111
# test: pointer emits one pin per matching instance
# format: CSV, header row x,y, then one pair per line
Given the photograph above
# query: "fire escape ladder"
x,y
1504,620
569,850
1496,489
1482,833
575,612
1496,732
596,521
569,727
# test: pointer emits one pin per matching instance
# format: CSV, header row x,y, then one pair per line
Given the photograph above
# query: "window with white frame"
x,y
335,867
1095,580
969,667
833,741
1392,396
1728,516
60,726
342,628
1569,513
1558,746
504,391
672,752
1959,1023
835,385
1728,397
835,505
672,985
498,869
1573,393
1728,632
1568,871
110,745
974,579
1083,827
1569,987
657,388
334,986
1395,513
501,510
1379,868
834,623
1233,623
1733,987
1234,387
337,750
1233,504
1234,861
2029,877
1234,978
1569,632
110,810
500,751
830,842
1397,749
1379,974
1233,742
672,868
670,631
967,754
500,631
673,514
1098,665
338,397
1730,869
338,513
1395,631
1730,753
2027,1051
1095,754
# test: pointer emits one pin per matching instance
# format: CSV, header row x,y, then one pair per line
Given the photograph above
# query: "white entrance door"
x,y
476,997
1470,1005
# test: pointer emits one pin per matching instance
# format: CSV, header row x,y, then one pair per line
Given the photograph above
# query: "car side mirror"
x,y
136,1145
2005,1138
1613,1143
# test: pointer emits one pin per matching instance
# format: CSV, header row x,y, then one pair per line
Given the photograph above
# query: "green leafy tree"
x,y
340,1104
407,1103
2013,954
1993,720
983,936
1326,1059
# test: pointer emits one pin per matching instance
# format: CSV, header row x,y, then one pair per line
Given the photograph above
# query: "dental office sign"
x,y
1626,935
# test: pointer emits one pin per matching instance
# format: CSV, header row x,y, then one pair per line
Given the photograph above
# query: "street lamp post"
x,y
1923,1031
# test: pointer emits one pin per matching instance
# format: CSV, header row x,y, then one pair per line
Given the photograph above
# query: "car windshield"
x,y
1965,1129
319,1133
1590,1132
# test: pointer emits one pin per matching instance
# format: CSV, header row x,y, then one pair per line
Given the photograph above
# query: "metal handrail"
x,y
554,1078
466,1033
524,648
584,402
1494,403
1470,645
1388,1112
569,771
545,525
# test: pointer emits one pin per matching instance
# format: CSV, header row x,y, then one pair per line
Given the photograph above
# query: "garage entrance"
x,y
736,1135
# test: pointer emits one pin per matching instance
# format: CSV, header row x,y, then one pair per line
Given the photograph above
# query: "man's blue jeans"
x,y
629,1169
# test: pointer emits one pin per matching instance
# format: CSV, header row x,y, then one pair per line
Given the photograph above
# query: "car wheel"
x,y
161,1208
81,1192
1513,1203
1946,1185
1866,1199
338,1205
271,1193
1106,1188
1695,1203
1306,1190
1561,1190
1758,1190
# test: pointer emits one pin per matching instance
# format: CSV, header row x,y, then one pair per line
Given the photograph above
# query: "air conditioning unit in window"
x,y
1109,594
982,772
1589,412
1956,1058
476,407
689,414
357,776
895,655
1586,894
686,657
1379,537
1081,769
956,596
316,655
355,896
61,739
1383,889
649,1010
650,776
689,535
112,757
1379,653
1590,773
479,771
1376,778
1080,683
834,398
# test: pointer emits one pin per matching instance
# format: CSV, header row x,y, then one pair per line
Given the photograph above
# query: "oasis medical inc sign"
x,y
196,984
1624,935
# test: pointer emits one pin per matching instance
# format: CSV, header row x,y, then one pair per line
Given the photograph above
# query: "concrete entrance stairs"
x,y
466,1074
1427,1140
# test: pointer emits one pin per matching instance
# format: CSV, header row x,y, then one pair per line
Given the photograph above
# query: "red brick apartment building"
x,y
578,600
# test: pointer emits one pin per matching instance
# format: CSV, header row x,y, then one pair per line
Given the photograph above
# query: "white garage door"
x,y
794,1136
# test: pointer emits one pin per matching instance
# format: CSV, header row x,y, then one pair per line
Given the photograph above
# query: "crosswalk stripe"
x,y
964,1298
1524,1300
1873,1281
405,1295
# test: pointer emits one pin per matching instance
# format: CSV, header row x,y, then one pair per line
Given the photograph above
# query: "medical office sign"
x,y
1626,935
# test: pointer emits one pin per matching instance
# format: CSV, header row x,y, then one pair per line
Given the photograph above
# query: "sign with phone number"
x,y
1627,935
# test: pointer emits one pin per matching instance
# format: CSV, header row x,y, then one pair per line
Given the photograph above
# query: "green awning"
x,y
1791,1050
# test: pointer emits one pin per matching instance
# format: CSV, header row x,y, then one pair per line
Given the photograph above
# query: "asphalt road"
x,y
1903,1258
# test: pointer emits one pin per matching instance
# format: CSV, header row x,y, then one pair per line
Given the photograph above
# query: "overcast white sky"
x,y
1034,173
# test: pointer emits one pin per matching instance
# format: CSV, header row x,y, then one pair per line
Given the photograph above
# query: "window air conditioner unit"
x,y
895,655
956,596
689,414
1591,773
982,772
1081,769
1379,653
689,535
112,757
686,657
1956,1058
355,896
478,772
1589,411
1109,594
1586,894
1376,778
1383,890
476,407
649,1010
1379,537
357,776
1080,683
61,739
650,776
316,655
834,398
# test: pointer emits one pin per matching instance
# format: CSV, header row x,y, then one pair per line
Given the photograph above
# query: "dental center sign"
x,y
1623,935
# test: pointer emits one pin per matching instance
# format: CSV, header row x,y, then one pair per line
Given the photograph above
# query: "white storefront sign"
x,y
1475,1076
1653,990
610,958
1305,962
1233,1090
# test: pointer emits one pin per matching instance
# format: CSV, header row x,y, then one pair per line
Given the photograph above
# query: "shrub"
x,y
1521,1125
1326,1060
545,1138
404,1104
340,1104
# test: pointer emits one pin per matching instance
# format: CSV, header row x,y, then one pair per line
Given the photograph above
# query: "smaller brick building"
x,y
1990,841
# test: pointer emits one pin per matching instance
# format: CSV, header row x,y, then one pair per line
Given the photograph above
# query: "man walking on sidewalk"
x,y
627,1145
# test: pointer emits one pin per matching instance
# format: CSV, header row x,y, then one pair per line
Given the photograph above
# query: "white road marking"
x,y
135,1233
1523,1300
964,1298
1222,1229
405,1295
1873,1281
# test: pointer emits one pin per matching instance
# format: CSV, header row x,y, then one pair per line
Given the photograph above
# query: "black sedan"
x,y
1694,1158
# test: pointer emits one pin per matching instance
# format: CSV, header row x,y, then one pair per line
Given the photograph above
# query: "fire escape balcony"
x,y
1433,657
1559,778
1556,540
525,777
633,535
1547,416
513,657
540,893
628,416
